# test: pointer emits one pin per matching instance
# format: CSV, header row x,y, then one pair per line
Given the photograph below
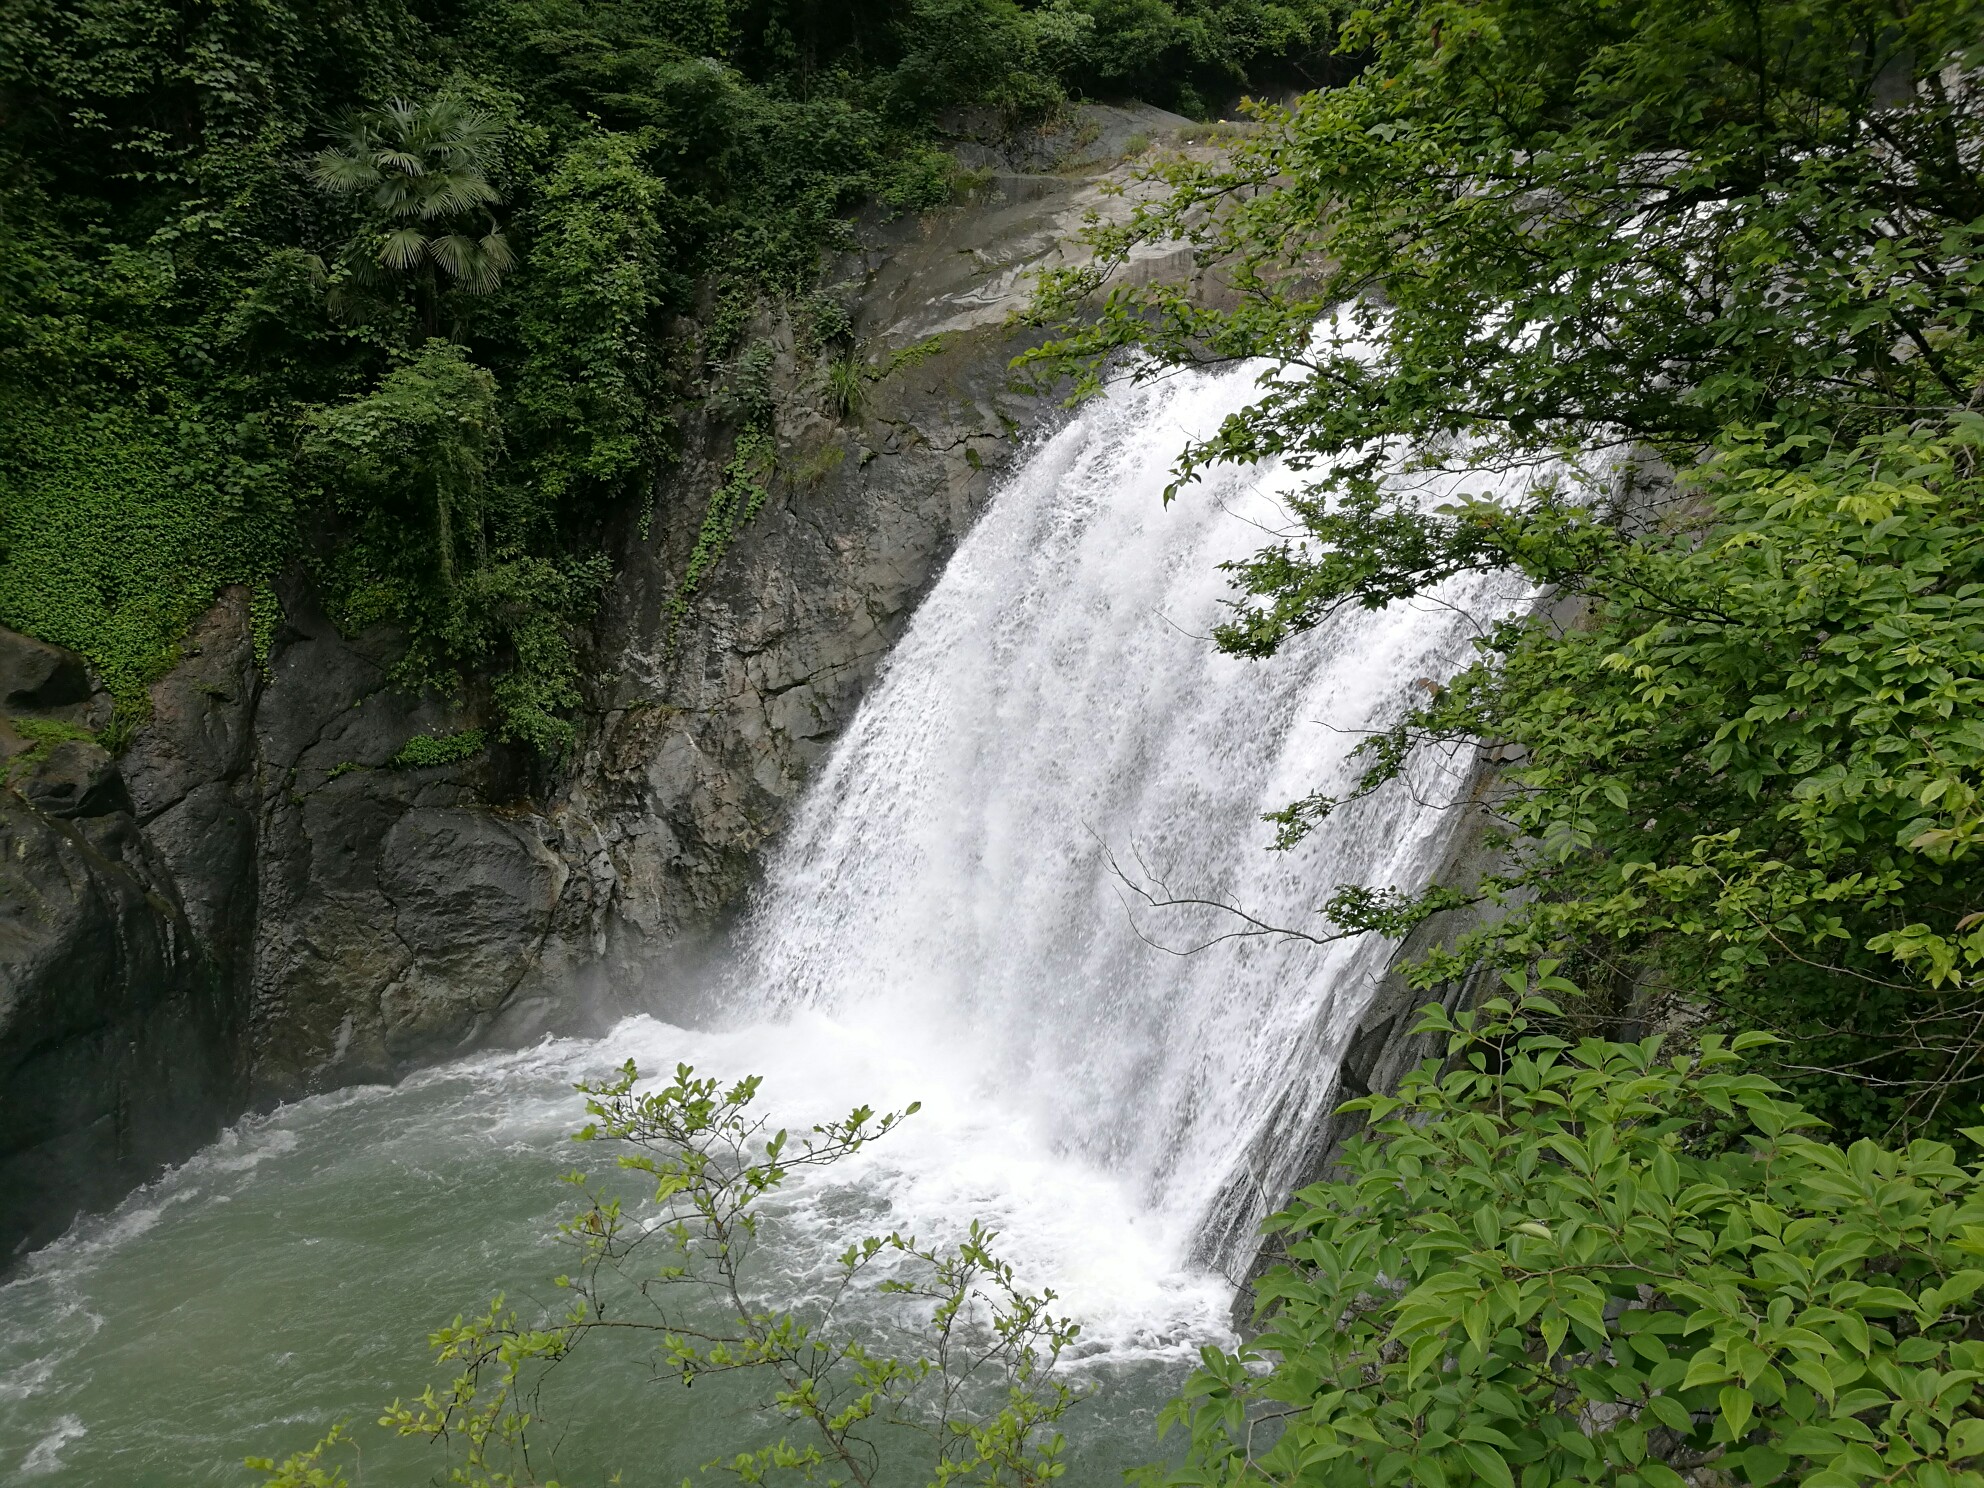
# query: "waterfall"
x,y
1056,728
940,924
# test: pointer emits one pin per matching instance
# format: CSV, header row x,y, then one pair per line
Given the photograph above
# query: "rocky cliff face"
x,y
115,1031
709,726
261,899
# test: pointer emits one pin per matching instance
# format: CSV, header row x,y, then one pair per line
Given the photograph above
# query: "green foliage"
x,y
683,1271
846,381
984,52
912,354
304,1469
425,750
1531,1272
1183,54
746,486
588,412
228,229
407,464
422,170
846,374
118,527
443,552
1558,227
1563,247
822,321
819,465
1755,771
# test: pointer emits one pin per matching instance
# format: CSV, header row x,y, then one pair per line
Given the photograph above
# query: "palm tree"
x,y
423,168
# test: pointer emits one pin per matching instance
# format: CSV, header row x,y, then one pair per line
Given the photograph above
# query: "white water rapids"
x,y
941,923
1057,730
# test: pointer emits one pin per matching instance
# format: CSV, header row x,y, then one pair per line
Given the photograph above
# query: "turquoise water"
x,y
286,1277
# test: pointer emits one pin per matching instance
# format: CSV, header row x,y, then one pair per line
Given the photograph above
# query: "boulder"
x,y
75,778
36,677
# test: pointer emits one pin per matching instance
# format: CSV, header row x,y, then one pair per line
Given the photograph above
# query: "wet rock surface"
x,y
36,677
116,1040
712,717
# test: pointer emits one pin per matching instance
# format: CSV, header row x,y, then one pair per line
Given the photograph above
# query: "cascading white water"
x,y
1056,724
941,924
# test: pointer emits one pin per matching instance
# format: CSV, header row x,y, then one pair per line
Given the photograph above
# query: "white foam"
x,y
948,884
1065,1223
45,1456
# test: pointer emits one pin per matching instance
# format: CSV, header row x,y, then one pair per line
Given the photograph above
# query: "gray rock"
x,y
395,909
76,777
472,898
710,727
113,1044
198,734
37,677
207,838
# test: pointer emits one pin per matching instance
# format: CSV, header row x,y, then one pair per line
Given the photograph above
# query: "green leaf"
x,y
1736,1405
1762,1464
1966,1438
1811,1441
1489,1464
1670,1413
1705,1368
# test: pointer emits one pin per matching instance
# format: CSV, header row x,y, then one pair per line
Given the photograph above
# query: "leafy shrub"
x,y
586,405
423,751
201,282
745,396
822,321
1753,774
440,550
118,527
746,487
408,465
1531,1272
678,1267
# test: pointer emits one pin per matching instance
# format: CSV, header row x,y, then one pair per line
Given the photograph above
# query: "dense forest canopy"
x,y
395,291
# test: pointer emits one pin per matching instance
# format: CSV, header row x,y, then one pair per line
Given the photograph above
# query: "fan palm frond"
x,y
455,193
496,249
426,168
454,252
405,117
493,260
403,247
336,171
406,162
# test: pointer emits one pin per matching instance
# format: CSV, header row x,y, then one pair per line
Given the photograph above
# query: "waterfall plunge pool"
x,y
286,1278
